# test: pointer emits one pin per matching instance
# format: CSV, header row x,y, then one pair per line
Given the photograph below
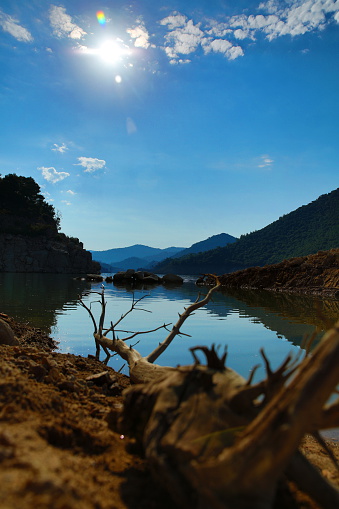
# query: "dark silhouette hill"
x,y
306,230
220,240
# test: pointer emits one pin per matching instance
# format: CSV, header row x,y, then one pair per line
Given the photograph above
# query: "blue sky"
x,y
170,121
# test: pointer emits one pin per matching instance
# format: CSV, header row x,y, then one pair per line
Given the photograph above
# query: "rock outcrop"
x,y
54,254
133,277
314,274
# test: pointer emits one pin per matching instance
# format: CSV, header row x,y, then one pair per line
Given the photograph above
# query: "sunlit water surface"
x,y
242,321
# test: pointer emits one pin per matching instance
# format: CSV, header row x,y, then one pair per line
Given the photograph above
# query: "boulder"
x,y
129,274
7,335
151,280
119,277
94,277
172,279
139,275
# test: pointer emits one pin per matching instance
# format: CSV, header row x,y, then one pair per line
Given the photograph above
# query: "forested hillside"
x,y
220,240
23,209
304,231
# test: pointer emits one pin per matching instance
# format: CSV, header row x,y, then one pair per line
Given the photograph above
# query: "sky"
x,y
164,122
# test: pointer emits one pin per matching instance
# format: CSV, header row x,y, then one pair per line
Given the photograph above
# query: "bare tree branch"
x,y
182,317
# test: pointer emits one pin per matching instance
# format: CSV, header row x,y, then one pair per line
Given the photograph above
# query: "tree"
x,y
21,197
215,440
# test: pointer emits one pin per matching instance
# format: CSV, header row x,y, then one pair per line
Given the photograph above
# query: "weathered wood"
x,y
214,440
211,443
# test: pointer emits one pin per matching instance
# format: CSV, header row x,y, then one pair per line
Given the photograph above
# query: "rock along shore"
x,y
316,274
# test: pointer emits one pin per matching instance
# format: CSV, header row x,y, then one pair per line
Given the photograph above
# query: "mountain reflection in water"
x,y
243,320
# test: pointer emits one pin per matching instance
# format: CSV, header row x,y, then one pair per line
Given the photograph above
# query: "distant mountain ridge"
x,y
146,257
133,257
306,230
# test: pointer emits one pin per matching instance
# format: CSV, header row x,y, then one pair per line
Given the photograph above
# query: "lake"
x,y
244,321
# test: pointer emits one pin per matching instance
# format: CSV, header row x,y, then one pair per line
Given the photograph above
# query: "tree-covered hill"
x,y
23,209
304,231
220,240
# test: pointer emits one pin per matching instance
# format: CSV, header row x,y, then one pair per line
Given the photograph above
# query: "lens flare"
x,y
101,17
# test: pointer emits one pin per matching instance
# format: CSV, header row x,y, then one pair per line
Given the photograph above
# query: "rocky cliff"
x,y
55,254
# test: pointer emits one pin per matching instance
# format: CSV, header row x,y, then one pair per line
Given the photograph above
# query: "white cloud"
x,y
174,21
298,18
183,40
184,37
12,26
62,24
223,46
91,164
266,162
59,148
66,202
53,176
292,17
140,36
72,193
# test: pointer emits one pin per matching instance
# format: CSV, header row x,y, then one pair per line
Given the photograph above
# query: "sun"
x,y
112,51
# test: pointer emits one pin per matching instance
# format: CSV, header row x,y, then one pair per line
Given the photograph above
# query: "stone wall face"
x,y
19,253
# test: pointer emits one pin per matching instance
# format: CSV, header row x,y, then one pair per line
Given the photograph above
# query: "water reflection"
x,y
38,298
251,319
290,316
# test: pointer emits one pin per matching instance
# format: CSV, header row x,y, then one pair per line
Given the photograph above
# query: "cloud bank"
x,y
273,19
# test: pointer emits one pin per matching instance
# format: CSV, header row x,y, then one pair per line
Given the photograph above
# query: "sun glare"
x,y
112,52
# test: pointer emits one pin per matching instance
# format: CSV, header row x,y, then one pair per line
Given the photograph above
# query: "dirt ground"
x,y
59,447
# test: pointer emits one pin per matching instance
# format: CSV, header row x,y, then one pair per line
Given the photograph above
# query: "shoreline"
x,y
59,444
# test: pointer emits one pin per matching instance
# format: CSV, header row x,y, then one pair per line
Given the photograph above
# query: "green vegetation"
x,y
23,209
304,231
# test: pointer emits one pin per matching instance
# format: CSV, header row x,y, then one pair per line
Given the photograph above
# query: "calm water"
x,y
245,321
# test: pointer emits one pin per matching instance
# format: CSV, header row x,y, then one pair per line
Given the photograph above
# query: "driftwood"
x,y
214,440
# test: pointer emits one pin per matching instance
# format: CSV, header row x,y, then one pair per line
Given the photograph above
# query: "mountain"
x,y
304,231
213,242
137,255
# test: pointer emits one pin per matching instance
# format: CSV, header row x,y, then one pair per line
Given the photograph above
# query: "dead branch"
x,y
141,368
182,317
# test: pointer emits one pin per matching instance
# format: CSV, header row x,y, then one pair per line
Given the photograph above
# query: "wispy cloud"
x,y
63,25
131,128
11,25
91,164
265,161
72,193
51,175
59,148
